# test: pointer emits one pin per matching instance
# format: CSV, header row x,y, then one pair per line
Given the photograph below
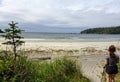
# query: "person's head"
x,y
112,49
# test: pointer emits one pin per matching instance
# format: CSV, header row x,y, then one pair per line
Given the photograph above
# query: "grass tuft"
x,y
118,75
24,70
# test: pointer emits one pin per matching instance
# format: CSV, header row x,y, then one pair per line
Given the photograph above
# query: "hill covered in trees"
x,y
104,30
1,31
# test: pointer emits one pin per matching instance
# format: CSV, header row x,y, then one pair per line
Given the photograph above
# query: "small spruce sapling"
x,y
13,37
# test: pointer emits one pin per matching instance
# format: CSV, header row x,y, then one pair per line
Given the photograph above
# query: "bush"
x,y
61,70
21,70
24,70
118,75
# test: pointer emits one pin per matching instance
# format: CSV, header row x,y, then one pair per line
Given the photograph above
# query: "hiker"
x,y
110,64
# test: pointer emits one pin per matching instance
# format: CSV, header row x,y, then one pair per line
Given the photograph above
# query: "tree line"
x,y
1,31
103,30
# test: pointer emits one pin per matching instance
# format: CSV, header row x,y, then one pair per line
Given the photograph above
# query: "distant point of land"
x,y
102,30
1,31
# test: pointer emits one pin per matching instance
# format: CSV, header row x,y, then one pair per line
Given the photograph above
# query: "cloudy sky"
x,y
59,15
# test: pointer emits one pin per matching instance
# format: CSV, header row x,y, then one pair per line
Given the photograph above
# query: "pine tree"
x,y
13,36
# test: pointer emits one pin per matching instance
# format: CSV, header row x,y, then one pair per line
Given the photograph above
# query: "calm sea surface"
x,y
69,37
36,36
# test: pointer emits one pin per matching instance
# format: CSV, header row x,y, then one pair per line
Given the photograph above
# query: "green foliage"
x,y
61,70
52,75
105,30
24,70
118,75
13,36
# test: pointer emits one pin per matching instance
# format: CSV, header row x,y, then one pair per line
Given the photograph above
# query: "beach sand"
x,y
90,54
65,45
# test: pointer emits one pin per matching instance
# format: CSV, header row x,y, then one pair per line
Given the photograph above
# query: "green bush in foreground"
x,y
20,71
64,70
118,75
24,70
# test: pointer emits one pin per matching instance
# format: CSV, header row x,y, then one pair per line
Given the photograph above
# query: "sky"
x,y
59,15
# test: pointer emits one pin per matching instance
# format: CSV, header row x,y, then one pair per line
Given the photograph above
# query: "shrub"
x,y
118,75
24,70
61,70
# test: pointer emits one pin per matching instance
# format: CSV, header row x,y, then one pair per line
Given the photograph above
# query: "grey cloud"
x,y
63,13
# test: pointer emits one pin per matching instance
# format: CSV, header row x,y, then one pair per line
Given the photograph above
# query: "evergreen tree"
x,y
13,36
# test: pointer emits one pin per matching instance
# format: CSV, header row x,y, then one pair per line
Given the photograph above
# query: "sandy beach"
x,y
90,54
65,45
69,45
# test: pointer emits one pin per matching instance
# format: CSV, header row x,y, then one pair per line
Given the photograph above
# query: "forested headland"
x,y
103,30
1,31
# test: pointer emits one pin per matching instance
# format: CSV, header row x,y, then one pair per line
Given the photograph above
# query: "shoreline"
x,y
64,48
64,45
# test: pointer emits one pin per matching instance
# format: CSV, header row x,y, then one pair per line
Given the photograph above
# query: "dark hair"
x,y
112,48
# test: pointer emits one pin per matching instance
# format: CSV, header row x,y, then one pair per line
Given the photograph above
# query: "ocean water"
x,y
68,37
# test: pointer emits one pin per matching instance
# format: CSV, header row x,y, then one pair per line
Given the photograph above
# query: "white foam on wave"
x,y
33,39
